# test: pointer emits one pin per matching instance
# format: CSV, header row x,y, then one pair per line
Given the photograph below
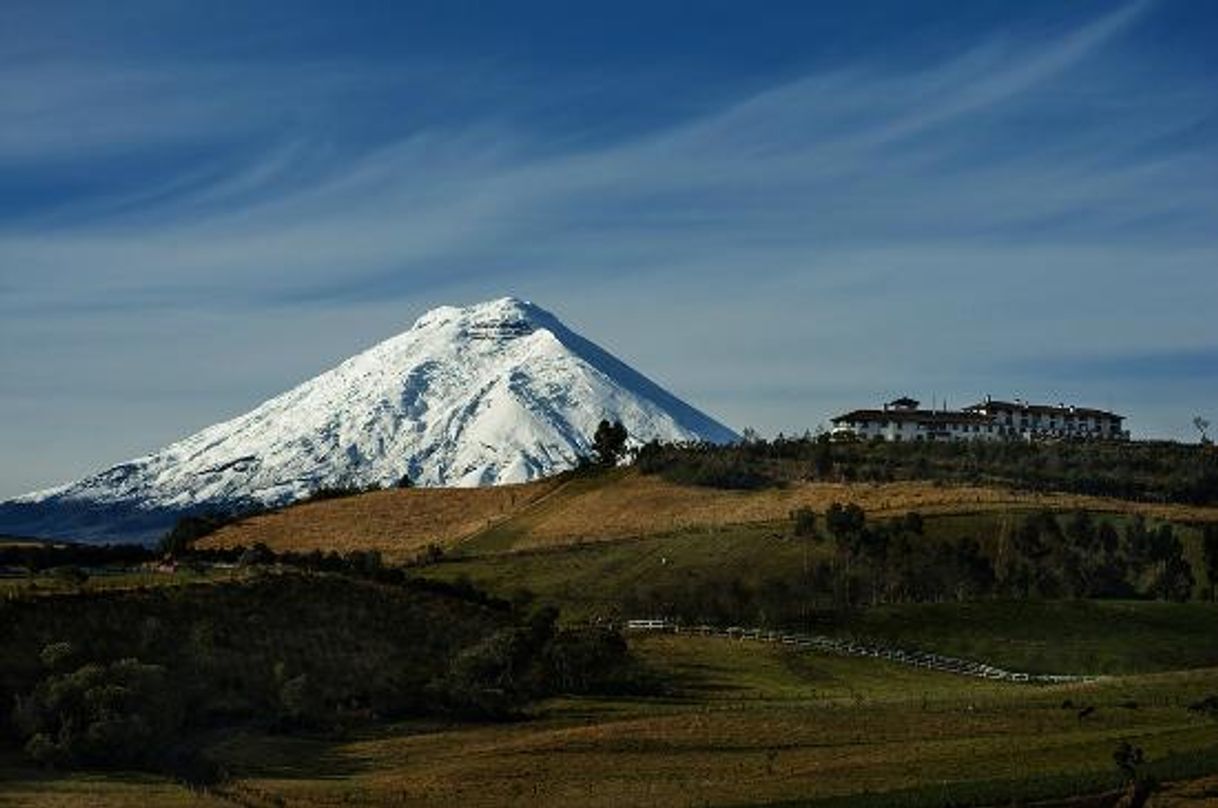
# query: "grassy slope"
x,y
397,522
753,724
565,544
46,583
1094,637
626,504
593,579
614,505
589,579
22,786
747,724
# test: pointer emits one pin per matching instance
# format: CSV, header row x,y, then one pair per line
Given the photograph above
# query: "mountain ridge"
x,y
497,392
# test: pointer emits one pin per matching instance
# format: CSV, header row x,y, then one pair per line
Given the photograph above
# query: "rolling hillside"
x,y
621,504
397,522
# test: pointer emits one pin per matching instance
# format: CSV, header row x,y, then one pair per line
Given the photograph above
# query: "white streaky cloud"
x,y
761,168
841,229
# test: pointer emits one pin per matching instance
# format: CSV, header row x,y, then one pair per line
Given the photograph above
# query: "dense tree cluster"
x,y
1044,555
709,465
121,713
128,677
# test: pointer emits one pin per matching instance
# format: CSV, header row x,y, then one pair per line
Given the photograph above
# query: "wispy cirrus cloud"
x,y
854,223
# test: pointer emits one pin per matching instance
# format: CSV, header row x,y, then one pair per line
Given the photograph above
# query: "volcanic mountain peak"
x,y
497,392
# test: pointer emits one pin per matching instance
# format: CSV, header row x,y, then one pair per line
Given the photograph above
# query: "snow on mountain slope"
x,y
498,392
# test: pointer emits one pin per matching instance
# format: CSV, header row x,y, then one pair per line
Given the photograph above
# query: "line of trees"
x,y
1042,557
39,557
851,562
1145,471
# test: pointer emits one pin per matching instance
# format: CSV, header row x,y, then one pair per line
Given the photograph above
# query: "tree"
x,y
609,442
1209,551
1202,425
188,530
1127,758
118,714
803,522
71,575
847,524
822,457
843,520
258,554
1174,579
300,703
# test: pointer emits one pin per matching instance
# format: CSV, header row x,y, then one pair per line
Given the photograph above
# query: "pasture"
x,y
741,724
580,508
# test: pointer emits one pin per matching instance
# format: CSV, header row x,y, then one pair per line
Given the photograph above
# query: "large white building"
x,y
1046,422
903,420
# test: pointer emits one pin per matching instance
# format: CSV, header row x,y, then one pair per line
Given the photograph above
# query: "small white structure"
x,y
902,420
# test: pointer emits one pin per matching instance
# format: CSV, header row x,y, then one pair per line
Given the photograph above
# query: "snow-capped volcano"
x,y
498,392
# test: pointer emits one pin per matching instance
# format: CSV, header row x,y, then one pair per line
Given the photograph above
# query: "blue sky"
x,y
777,212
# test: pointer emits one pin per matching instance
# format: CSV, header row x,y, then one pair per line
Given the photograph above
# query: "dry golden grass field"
x,y
398,522
615,505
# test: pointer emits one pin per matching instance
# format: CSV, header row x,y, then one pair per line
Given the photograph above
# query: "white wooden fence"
x,y
836,645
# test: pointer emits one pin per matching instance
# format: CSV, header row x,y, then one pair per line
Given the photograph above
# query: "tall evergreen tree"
x,y
609,442
1209,551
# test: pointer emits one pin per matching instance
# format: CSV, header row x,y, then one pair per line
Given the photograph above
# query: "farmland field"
x,y
615,505
725,722
742,724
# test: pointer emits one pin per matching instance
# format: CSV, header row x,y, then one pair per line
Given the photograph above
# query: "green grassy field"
x,y
743,724
1083,636
47,583
739,722
589,579
21,785
597,579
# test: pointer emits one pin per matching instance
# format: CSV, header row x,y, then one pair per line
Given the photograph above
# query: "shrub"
x,y
803,522
124,713
71,575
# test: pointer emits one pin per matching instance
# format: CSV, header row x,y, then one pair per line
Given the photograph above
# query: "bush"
x,y
593,660
803,522
300,702
71,575
706,465
120,714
